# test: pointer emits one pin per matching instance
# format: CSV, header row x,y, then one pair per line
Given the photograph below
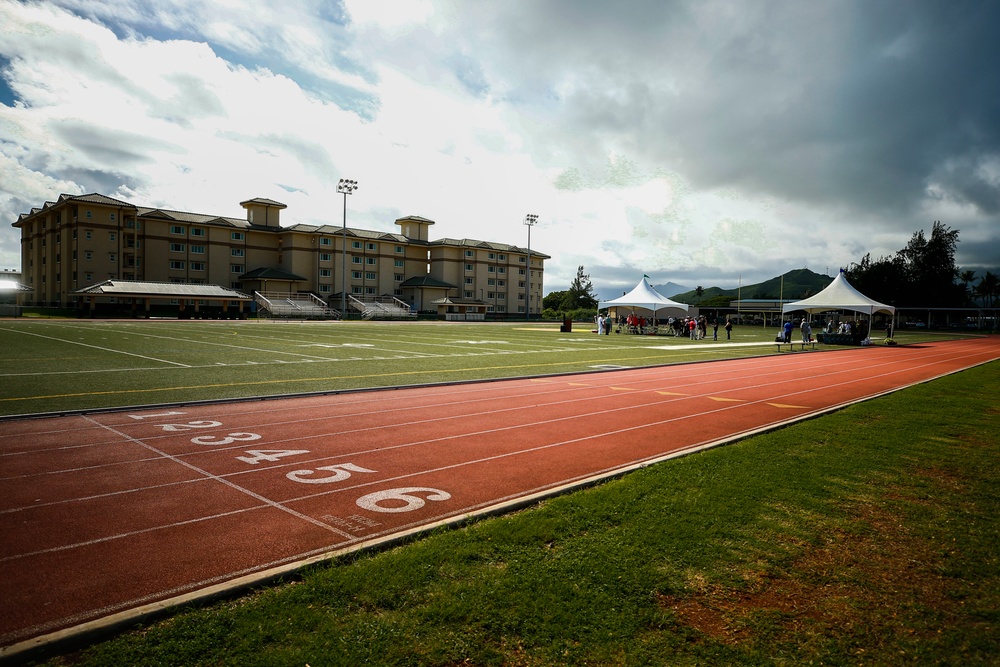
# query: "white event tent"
x,y
644,296
839,295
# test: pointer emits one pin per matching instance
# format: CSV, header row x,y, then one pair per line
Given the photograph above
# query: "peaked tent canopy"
x,y
839,295
644,296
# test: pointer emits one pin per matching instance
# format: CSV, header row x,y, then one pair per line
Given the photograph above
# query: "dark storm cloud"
x,y
856,104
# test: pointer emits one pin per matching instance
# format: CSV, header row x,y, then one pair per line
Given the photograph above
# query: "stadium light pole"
x,y
530,221
345,187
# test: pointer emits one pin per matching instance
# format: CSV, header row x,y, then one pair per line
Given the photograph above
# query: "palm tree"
x,y
988,288
698,291
967,277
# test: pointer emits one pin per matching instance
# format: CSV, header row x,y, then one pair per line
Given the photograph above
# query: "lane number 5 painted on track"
x,y
340,472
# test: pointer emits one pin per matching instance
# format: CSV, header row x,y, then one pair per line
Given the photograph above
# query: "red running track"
x,y
107,517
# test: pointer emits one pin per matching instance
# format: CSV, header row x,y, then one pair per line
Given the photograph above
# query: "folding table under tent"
x,y
840,295
644,296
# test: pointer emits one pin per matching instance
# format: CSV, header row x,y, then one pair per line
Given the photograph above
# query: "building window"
x,y
112,257
236,236
355,260
397,277
176,229
355,275
355,289
491,295
87,214
399,248
502,269
88,276
371,291
176,247
325,241
467,294
197,266
112,237
88,255
501,257
491,269
324,288
89,234
371,276
501,283
111,217
236,252
324,273
325,257
176,265
398,263
492,255
356,245
371,246
468,281
198,249
236,268
470,253
197,231
370,261
491,281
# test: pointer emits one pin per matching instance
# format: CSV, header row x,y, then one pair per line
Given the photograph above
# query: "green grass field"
x,y
56,365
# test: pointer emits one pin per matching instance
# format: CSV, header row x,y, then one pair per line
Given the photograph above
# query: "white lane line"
x,y
96,347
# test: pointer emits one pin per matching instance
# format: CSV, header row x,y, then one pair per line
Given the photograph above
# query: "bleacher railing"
x,y
294,305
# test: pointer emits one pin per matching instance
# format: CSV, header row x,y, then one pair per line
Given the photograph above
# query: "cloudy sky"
x,y
697,141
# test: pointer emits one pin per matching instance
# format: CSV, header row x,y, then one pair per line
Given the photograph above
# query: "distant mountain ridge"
x,y
796,284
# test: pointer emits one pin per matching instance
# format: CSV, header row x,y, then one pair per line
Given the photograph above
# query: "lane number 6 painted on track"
x,y
405,495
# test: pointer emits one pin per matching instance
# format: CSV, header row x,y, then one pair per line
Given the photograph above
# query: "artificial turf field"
x,y
51,365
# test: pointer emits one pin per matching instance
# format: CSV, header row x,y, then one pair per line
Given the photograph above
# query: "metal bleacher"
x,y
380,308
293,306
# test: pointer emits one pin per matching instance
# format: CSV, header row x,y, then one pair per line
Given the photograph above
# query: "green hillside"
x,y
798,284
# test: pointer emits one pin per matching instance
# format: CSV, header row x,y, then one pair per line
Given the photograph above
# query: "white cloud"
x,y
702,140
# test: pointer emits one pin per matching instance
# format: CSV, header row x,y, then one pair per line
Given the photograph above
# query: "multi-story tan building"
x,y
79,240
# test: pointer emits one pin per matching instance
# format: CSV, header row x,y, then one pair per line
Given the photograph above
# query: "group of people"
x,y
694,327
805,327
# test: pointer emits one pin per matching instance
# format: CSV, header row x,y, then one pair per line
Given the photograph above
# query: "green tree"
x,y
967,277
553,300
698,292
988,289
580,293
921,274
